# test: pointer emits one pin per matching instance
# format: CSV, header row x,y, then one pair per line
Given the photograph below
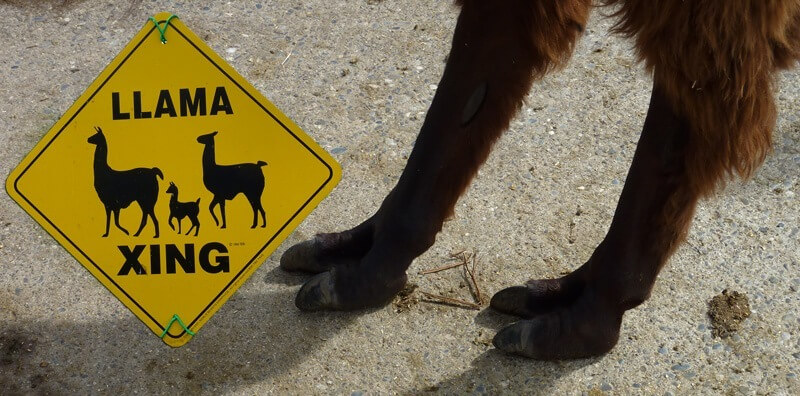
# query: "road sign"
x,y
171,179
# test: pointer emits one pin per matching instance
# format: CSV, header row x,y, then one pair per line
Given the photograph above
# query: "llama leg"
x,y
195,226
255,215
580,315
108,221
222,212
255,203
141,224
155,221
211,206
172,226
498,49
116,222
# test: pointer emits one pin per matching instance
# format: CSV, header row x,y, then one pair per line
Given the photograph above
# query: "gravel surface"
x,y
358,76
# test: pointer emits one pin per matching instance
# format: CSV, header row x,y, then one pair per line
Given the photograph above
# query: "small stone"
x,y
681,367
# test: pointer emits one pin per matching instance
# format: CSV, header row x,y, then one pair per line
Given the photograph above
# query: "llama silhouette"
x,y
227,181
117,189
179,210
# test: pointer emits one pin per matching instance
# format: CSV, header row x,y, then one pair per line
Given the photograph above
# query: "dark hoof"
x,y
536,297
304,257
584,329
317,294
345,288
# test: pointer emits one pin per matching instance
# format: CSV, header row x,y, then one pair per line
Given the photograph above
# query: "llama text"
x,y
188,104
171,255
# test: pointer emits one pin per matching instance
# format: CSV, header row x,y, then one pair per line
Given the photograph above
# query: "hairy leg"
x,y
499,48
580,314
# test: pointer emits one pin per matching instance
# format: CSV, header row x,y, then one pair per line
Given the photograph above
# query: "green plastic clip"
x,y
163,30
176,318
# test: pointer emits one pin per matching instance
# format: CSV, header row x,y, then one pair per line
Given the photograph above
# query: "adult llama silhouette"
x,y
117,189
179,210
227,181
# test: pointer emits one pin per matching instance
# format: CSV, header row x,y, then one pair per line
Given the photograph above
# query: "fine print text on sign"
x,y
170,134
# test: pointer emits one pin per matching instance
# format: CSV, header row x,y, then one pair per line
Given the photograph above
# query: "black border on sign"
x,y
250,262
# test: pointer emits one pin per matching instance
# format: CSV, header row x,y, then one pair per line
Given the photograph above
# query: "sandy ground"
x,y
358,76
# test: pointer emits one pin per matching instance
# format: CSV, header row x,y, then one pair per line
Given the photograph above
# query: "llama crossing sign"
x,y
171,179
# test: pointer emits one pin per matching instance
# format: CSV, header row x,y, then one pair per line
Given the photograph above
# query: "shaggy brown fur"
x,y
716,61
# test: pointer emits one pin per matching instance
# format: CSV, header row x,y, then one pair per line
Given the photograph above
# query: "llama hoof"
x,y
305,256
317,294
324,251
343,289
536,297
581,330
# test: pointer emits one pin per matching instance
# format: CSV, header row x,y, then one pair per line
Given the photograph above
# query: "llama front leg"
x,y
108,221
498,49
211,206
580,314
222,212
116,222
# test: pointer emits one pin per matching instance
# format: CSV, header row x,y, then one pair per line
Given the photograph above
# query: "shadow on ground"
x,y
250,340
494,372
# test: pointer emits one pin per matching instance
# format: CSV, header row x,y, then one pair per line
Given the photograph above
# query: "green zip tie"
x,y
180,322
164,30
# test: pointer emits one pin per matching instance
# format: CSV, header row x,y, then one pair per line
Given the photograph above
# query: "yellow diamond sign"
x,y
171,179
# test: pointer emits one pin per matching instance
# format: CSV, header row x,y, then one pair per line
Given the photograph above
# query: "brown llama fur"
x,y
716,62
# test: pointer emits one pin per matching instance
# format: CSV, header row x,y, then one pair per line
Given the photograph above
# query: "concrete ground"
x,y
358,76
